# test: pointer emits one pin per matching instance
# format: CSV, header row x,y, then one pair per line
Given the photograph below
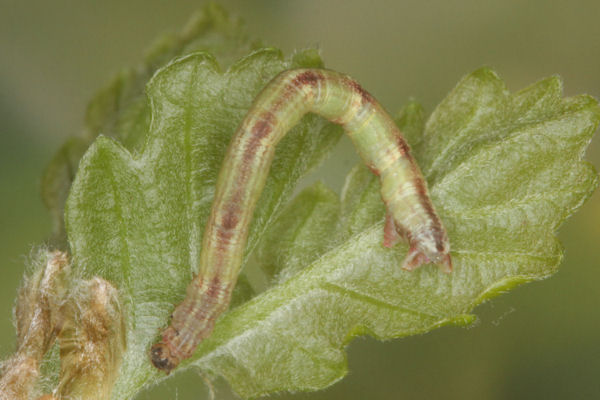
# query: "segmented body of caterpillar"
x,y
276,109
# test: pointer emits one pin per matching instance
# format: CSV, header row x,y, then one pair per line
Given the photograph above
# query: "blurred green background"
x,y
541,341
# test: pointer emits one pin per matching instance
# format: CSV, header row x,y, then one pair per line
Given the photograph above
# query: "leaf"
x,y
301,234
504,172
121,110
136,219
56,183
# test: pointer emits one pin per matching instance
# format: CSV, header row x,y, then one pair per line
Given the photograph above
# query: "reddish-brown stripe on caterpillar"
x,y
278,107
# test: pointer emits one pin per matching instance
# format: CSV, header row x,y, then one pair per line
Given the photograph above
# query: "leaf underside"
x,y
504,171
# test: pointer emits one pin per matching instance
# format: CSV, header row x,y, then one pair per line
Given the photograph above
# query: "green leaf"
x,y
56,183
301,234
504,171
136,219
510,171
121,110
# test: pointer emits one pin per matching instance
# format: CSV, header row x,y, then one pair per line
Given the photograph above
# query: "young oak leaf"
x,y
121,110
303,231
137,220
504,172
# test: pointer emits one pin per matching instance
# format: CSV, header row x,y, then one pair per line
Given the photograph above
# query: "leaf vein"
x,y
361,297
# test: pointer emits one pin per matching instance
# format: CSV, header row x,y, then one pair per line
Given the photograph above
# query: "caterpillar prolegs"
x,y
280,105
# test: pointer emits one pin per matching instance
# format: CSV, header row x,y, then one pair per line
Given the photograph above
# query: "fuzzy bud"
x,y
92,342
36,315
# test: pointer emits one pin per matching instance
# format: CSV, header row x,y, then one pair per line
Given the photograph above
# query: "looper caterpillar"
x,y
280,105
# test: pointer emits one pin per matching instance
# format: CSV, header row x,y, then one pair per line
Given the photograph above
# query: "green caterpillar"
x,y
275,110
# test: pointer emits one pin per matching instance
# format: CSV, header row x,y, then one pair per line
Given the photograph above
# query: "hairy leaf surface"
x,y
137,219
121,110
504,170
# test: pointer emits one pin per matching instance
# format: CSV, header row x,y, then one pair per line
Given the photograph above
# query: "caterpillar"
x,y
277,108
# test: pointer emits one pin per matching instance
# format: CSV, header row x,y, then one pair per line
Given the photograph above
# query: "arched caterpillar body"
x,y
275,110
